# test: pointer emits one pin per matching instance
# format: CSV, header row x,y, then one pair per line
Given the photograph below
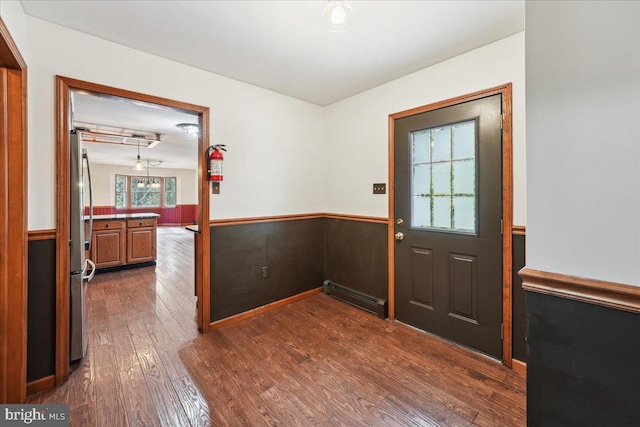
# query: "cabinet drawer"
x,y
108,225
136,223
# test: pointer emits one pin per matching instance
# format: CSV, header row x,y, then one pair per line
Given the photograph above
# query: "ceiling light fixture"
x,y
150,183
338,16
138,166
190,129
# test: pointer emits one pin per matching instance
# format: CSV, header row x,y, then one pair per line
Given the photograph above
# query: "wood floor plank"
x,y
109,405
194,403
138,405
315,362
165,400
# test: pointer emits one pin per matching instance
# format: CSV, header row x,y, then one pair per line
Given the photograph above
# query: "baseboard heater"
x,y
359,299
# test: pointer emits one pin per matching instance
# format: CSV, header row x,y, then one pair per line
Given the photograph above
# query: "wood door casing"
x,y
507,202
13,221
64,86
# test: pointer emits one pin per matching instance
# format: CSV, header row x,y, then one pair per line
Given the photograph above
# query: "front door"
x,y
448,212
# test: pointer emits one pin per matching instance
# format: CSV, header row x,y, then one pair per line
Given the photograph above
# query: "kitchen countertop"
x,y
141,215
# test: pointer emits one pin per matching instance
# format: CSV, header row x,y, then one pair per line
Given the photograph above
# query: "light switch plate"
x,y
215,188
380,188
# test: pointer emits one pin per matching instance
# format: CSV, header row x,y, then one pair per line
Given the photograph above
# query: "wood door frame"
x,y
507,202
13,222
64,86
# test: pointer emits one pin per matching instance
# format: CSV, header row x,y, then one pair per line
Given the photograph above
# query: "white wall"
x,y
357,127
583,139
103,178
274,162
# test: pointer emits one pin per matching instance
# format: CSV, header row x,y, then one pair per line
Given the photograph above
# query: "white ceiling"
x,y
277,45
176,150
282,46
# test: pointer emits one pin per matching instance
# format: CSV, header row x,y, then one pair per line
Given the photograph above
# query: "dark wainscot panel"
x,y
584,364
41,326
291,251
519,308
355,255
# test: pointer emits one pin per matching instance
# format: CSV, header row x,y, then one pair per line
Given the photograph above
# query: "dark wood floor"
x,y
317,361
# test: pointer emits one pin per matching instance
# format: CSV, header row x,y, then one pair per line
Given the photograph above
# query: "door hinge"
x,y
501,331
502,226
501,120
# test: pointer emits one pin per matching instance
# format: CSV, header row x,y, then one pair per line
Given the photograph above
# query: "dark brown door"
x,y
448,212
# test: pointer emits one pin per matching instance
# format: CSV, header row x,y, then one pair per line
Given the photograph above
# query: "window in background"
x,y
145,192
170,191
121,191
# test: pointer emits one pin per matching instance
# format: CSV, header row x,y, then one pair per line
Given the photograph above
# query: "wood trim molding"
x,y
256,220
263,309
519,230
10,56
42,234
13,221
293,217
519,366
64,85
362,218
507,202
41,384
599,292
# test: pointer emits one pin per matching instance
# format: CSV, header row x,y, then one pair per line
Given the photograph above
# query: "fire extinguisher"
x,y
215,162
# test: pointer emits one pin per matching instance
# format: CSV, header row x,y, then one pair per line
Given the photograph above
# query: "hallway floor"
x,y
317,361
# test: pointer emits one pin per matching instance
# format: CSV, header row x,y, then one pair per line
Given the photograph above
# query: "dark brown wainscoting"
x,y
41,318
355,255
291,251
583,365
519,299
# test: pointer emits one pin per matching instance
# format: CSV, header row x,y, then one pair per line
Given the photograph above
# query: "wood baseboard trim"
x,y
599,292
519,366
274,218
263,309
42,234
41,384
520,230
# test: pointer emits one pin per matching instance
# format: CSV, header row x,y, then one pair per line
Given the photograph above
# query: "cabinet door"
x,y
108,248
141,244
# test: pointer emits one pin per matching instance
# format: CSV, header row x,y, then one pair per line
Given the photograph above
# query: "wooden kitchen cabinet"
x,y
118,242
141,240
108,244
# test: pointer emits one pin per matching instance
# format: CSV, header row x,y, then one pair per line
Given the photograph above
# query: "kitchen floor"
x,y
317,361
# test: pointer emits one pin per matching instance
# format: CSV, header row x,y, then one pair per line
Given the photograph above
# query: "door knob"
x,y
399,235
399,221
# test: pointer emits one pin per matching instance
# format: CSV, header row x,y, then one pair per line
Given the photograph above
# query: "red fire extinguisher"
x,y
215,162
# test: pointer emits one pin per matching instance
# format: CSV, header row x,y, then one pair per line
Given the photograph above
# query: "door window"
x,y
443,177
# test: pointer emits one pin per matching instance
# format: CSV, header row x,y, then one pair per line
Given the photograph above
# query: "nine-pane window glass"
x,y
443,177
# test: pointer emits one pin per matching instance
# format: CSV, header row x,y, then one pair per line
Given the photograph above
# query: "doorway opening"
x,y
451,192
149,189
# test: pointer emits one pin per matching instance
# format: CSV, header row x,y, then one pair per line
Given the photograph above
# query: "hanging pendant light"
x,y
138,166
338,16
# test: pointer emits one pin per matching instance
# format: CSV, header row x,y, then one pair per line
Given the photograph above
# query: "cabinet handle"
x,y
140,224
108,225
